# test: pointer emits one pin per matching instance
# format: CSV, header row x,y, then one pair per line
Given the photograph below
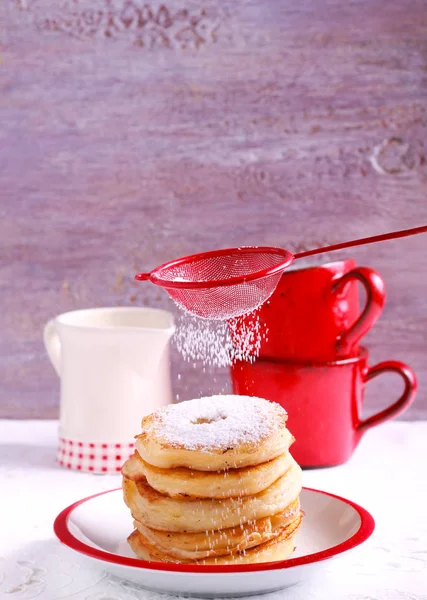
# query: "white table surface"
x,y
387,475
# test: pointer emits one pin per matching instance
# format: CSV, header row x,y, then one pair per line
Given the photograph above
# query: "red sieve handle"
x,y
142,276
368,240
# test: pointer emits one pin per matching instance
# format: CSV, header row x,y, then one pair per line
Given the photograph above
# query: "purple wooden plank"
x,y
133,133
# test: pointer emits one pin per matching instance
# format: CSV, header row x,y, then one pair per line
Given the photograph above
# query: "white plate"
x,y
97,527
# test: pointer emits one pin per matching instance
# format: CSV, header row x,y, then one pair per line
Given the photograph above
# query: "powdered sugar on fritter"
x,y
217,422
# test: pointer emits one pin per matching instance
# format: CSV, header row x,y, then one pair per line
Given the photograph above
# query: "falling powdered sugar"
x,y
218,422
220,343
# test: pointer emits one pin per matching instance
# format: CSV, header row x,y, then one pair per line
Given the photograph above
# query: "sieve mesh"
x,y
224,301
240,263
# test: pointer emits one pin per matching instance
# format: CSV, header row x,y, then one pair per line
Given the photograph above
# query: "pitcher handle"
x,y
53,345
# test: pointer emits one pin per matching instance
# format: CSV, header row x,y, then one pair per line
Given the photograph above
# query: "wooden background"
x,y
132,133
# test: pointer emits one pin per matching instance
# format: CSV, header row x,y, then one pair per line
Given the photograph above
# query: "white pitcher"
x,y
114,369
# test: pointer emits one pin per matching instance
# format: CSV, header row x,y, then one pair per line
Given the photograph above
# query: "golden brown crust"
x,y
181,482
164,456
212,481
278,548
196,546
193,514
259,436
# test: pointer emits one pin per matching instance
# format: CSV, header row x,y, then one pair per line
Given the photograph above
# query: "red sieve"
x,y
223,284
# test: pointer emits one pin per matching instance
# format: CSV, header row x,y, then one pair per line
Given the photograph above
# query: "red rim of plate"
x,y
156,274
367,526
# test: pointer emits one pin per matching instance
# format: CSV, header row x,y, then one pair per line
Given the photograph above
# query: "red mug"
x,y
314,313
324,401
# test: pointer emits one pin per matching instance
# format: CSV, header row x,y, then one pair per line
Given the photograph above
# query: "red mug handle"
x,y
405,400
375,300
